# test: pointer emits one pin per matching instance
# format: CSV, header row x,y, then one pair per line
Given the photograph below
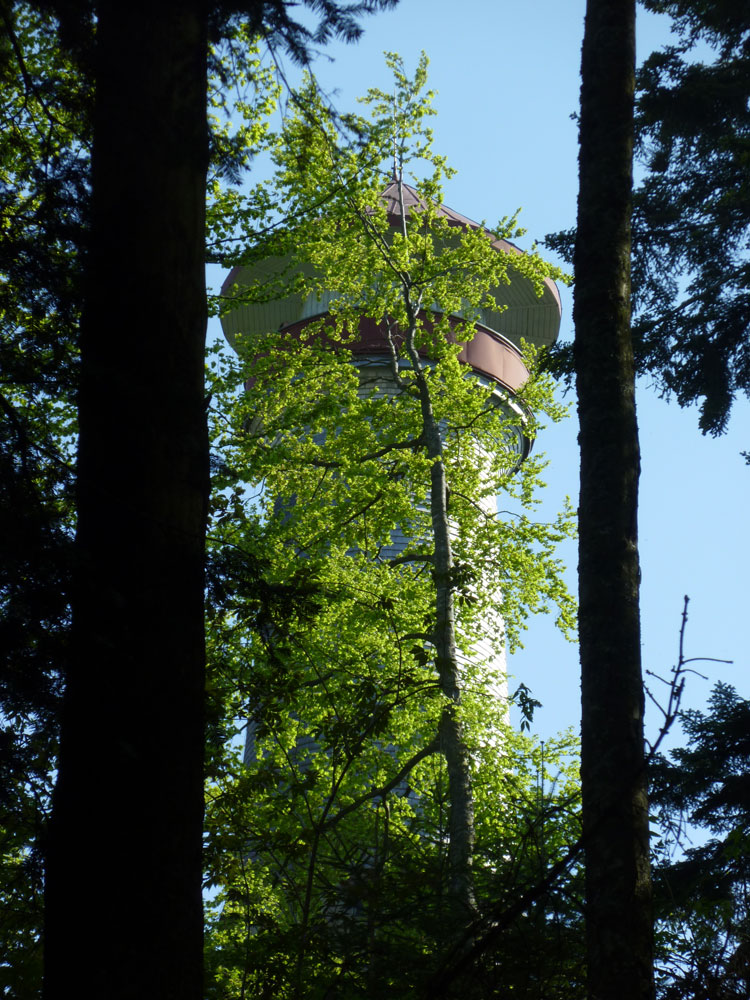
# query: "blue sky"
x,y
507,81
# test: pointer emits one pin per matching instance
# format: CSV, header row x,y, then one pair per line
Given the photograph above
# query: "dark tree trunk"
x,y
123,904
615,816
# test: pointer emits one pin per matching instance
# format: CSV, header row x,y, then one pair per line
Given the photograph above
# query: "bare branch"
x,y
432,747
676,684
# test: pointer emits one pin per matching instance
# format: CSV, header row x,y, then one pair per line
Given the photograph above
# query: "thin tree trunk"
x,y
615,814
452,741
123,903
450,734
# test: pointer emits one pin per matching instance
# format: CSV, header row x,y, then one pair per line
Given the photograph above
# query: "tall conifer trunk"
x,y
615,815
123,905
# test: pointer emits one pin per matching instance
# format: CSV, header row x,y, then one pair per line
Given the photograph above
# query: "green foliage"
x,y
44,130
329,847
703,895
692,211
243,94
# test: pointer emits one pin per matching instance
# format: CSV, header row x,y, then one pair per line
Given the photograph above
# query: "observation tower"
x,y
493,354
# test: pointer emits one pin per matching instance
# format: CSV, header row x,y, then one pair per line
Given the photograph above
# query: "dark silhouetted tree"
x,y
124,844
702,896
615,811
692,211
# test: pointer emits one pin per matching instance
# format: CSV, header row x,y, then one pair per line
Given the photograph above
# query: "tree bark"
x,y
615,813
123,895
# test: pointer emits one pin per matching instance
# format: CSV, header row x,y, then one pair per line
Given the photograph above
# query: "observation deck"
x,y
494,351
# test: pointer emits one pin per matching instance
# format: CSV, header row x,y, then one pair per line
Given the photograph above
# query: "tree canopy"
x,y
691,308
702,888
367,660
692,210
44,161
